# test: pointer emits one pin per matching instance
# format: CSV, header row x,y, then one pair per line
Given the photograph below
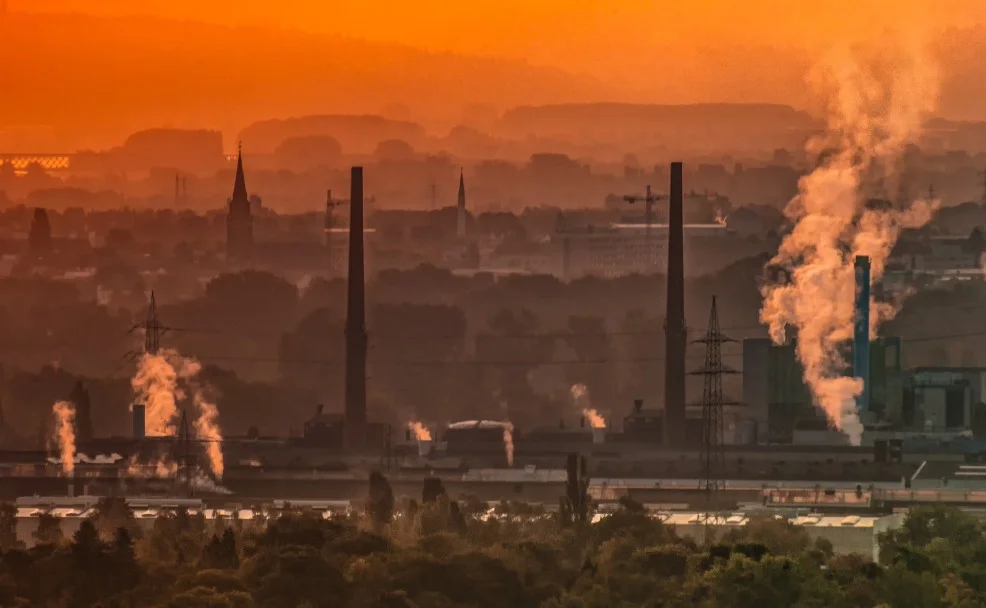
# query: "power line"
x,y
534,363
464,362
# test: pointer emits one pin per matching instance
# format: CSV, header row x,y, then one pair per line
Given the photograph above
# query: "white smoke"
x,y
420,431
508,442
163,468
162,381
207,430
580,394
156,386
878,104
205,483
64,412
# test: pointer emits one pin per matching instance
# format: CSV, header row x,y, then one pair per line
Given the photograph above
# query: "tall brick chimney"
x,y
674,320
356,322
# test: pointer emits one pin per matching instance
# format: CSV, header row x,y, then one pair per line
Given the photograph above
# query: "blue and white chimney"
x,y
861,331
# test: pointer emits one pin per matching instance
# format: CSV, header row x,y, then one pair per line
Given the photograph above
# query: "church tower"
x,y
460,225
239,218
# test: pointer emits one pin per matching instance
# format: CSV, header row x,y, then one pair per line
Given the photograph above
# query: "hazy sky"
x,y
632,50
593,36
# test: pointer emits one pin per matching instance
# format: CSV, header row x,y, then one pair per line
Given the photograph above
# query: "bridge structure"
x,y
54,162
47,161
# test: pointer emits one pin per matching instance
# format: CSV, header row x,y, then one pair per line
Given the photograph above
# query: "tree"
x,y
432,489
112,513
221,553
8,527
381,501
49,531
576,502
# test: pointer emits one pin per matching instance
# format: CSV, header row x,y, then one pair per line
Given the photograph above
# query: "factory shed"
x,y
849,534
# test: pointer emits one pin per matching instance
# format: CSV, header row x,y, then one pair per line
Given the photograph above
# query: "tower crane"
x,y
649,198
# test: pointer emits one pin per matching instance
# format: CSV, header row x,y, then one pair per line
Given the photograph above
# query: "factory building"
x,y
622,249
781,404
849,534
941,399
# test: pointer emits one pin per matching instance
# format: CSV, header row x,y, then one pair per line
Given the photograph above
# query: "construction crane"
x,y
330,204
648,199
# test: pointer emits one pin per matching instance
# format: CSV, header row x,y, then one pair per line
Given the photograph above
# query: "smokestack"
x,y
861,330
138,420
356,321
674,320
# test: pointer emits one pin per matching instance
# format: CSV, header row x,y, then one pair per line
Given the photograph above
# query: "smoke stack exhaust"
x,y
138,421
356,321
674,320
861,330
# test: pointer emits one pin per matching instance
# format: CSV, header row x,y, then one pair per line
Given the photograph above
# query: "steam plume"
x,y
508,442
162,468
65,434
207,429
157,386
878,104
580,393
421,432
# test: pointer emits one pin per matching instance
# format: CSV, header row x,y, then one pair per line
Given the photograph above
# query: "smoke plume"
x,y
421,432
162,468
580,394
879,99
162,381
508,442
156,386
207,429
65,434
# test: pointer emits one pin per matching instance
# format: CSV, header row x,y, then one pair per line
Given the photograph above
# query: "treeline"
x,y
440,553
442,347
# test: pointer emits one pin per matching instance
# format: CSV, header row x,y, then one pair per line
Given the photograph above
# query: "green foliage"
x,y
441,557
381,502
575,505
49,531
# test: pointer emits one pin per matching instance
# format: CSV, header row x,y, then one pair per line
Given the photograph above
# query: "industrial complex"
x,y
772,450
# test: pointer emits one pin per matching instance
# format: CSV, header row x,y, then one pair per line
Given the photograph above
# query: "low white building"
x,y
849,534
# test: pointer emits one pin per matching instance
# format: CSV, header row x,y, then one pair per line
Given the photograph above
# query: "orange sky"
x,y
633,50
581,35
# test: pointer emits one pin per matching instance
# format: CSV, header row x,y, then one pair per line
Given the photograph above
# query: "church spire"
x,y
460,221
239,186
462,191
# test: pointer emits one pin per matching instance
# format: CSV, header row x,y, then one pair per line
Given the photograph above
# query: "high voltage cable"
x,y
536,363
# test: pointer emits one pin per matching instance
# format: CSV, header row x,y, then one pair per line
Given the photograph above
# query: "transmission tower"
x,y
713,460
152,329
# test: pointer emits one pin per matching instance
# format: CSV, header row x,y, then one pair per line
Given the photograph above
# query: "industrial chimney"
x,y
356,321
674,320
861,331
138,420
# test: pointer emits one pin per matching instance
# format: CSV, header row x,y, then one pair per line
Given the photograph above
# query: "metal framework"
x,y
713,460
48,162
648,199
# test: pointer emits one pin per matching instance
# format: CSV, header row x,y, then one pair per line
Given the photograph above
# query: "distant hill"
x,y
708,126
357,134
96,79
